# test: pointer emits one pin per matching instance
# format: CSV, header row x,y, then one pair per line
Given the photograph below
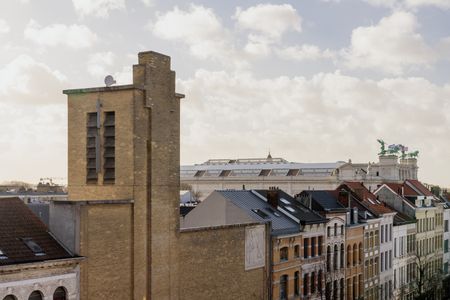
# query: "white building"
x,y
293,177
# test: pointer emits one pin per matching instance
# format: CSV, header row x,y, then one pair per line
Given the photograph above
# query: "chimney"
x,y
273,196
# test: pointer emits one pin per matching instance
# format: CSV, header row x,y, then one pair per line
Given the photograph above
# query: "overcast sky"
x,y
311,80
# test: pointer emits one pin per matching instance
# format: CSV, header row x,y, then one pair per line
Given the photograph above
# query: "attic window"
x,y
293,172
33,246
271,210
290,209
224,173
264,172
199,173
285,201
260,213
3,255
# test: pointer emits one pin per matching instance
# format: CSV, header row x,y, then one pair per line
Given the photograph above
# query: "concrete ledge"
x,y
218,227
100,89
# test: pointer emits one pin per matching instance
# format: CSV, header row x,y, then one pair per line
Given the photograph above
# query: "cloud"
x,y
4,27
305,52
392,46
198,28
324,116
97,8
148,3
73,36
25,80
99,64
410,4
268,19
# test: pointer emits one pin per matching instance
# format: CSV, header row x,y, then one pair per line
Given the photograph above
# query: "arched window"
x,y
328,258
10,297
283,287
355,254
349,255
60,294
335,229
284,254
36,295
360,253
342,256
319,281
335,257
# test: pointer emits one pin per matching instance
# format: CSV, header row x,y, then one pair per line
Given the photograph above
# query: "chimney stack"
x,y
273,196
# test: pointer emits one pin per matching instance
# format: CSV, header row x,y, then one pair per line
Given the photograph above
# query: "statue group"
x,y
394,149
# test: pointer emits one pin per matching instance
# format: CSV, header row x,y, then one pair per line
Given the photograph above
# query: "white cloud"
x,y
268,19
148,3
305,52
25,80
4,27
410,4
198,27
74,36
98,8
392,45
99,64
324,116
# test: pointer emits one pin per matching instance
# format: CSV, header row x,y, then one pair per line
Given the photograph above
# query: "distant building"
x,y
262,173
295,239
33,265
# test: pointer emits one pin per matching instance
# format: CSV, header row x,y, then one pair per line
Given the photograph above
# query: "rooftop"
x,y
24,237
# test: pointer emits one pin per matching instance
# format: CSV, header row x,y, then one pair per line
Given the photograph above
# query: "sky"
x,y
309,80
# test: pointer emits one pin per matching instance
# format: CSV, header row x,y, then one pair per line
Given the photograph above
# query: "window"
x,y
335,257
335,229
313,283
92,148
305,284
328,231
328,258
446,226
10,297
319,281
313,247
60,294
319,246
305,247
296,250
296,283
371,244
36,295
264,172
260,213
382,233
33,246
446,246
341,289
355,254
361,255
3,255
349,255
284,254
283,287
109,145
382,261
342,229
342,256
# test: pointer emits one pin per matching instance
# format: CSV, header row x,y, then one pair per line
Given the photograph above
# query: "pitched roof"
x,y
18,222
325,200
293,207
249,201
419,186
400,188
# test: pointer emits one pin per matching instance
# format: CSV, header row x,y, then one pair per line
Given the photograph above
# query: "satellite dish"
x,y
109,80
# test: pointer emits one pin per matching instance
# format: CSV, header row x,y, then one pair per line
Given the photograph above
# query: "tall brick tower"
x,y
123,208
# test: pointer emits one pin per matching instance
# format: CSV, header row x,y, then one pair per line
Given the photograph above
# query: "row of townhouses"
x,y
346,243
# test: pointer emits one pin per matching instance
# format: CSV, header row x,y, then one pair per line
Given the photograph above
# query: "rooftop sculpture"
x,y
394,149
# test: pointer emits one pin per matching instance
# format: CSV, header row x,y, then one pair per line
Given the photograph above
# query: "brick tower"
x,y
123,208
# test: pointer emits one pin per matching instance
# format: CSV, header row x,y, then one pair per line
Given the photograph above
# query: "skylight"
x,y
285,201
290,209
33,246
260,213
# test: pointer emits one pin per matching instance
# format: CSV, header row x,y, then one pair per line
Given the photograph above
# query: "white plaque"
x,y
255,248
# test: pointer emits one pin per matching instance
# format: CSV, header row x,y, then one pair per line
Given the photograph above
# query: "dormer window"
x,y
3,255
33,246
